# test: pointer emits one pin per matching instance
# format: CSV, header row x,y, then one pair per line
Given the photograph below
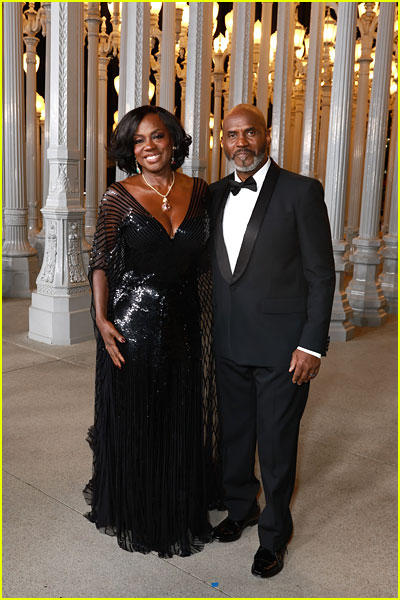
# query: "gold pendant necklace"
x,y
165,204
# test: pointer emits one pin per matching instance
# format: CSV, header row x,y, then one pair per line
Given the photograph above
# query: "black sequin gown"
x,y
156,461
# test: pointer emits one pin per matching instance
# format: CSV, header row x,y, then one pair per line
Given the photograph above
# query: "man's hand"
x,y
304,365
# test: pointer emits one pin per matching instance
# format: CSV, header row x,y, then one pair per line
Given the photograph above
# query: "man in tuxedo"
x,y
274,278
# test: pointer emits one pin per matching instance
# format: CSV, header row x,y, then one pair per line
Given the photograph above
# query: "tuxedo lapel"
x,y
222,255
256,219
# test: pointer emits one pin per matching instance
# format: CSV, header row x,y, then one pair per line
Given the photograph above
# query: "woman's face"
x,y
152,144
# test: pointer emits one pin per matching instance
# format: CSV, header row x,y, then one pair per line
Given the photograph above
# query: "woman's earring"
x,y
137,166
173,161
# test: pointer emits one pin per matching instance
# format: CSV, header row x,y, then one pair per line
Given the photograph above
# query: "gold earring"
x,y
173,161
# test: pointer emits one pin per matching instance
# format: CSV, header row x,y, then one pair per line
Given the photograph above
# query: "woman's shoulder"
x,y
119,190
116,199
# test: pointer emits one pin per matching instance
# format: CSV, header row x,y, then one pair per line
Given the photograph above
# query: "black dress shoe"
x,y
267,563
229,530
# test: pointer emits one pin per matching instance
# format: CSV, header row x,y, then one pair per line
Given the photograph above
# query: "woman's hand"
x,y
106,328
109,335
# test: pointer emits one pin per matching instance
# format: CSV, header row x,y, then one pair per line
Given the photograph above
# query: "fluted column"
x,y
388,277
263,67
102,125
86,247
298,109
167,89
31,146
364,291
59,313
3,222
218,79
283,83
31,27
392,165
38,169
197,109
183,93
241,81
104,48
290,147
337,161
323,130
308,156
225,94
134,69
326,90
46,32
93,23
367,26
20,265
42,157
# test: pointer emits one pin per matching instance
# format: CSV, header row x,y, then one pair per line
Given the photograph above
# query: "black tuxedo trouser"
x,y
260,404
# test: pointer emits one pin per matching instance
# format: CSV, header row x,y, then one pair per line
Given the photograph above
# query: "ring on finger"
x,y
312,375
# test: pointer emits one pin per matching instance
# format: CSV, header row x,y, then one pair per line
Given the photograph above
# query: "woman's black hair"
x,y
121,144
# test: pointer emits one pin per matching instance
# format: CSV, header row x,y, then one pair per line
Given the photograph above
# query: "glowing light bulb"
x,y
220,44
185,16
257,32
152,89
155,7
329,30
39,103
299,33
229,22
273,40
37,58
115,120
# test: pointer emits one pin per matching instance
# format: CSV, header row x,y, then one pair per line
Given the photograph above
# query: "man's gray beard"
x,y
246,169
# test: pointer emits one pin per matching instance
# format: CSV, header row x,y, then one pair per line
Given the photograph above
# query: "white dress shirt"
x,y
238,210
237,213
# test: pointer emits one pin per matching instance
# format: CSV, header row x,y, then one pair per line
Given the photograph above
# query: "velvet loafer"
x,y
267,563
229,530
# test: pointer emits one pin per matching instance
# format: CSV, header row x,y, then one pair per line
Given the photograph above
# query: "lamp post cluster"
x,y
297,76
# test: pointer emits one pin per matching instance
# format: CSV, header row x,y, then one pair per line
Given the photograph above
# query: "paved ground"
x,y
344,507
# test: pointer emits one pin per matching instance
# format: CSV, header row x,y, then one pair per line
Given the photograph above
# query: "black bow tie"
x,y
235,186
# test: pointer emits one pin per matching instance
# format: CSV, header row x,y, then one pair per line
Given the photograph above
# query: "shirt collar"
x,y
259,175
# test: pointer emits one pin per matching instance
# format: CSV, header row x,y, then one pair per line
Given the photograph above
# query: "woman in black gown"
x,y
154,438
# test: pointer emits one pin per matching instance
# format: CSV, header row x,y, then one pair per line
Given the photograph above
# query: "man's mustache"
x,y
244,151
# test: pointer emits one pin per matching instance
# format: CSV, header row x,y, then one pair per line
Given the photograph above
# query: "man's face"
x,y
245,140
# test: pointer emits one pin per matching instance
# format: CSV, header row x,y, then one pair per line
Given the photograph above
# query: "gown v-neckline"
x,y
148,213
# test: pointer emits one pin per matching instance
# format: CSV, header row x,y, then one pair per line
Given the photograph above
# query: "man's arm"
x,y
319,270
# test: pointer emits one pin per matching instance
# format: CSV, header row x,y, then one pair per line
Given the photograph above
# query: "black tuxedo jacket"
x,y
281,292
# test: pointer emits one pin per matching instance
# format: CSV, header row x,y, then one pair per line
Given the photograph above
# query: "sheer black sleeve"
x,y
107,248
212,432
